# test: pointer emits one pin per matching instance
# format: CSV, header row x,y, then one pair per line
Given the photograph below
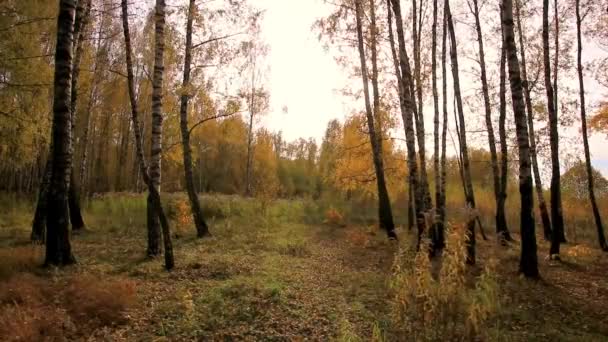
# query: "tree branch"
x,y
215,39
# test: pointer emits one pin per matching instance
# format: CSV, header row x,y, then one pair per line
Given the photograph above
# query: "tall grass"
x,y
442,302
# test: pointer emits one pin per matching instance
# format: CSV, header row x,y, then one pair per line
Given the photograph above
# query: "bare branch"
x,y
216,39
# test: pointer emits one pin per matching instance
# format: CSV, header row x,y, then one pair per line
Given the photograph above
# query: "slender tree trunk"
x,y
411,212
384,205
590,182
154,194
502,131
556,56
544,213
441,201
436,157
99,64
58,248
39,223
417,93
557,232
81,21
501,224
199,221
408,108
528,262
157,126
123,149
470,197
249,171
410,200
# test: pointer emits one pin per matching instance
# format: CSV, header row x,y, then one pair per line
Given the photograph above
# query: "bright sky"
x,y
305,78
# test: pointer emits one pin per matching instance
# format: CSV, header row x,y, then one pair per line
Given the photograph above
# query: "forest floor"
x,y
266,274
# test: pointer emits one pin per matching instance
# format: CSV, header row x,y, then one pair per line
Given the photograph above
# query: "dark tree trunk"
x,y
441,200
408,107
556,56
596,212
249,165
469,195
528,263
154,194
74,204
384,205
435,229
557,219
58,248
199,221
80,21
502,129
419,112
410,199
544,213
39,224
501,227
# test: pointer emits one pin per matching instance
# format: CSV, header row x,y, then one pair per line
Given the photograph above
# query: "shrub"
x,y
334,218
442,307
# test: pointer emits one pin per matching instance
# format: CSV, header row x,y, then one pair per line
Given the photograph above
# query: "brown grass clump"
x,y
36,323
42,309
91,301
26,310
19,259
25,290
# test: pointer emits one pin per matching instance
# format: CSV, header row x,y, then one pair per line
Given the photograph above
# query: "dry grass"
x,y
20,259
439,300
34,308
99,302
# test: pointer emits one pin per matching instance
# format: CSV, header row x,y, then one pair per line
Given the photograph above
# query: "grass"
x,y
295,270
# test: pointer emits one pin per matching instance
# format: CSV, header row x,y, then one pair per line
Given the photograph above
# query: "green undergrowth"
x,y
297,269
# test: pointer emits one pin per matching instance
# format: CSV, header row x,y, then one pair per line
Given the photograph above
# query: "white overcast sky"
x,y
305,78
302,77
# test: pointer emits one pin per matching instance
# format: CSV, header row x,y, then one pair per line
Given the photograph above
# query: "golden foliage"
x,y
354,169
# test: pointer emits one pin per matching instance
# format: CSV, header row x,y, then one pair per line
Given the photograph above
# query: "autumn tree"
x,y
197,214
384,205
542,206
154,193
58,248
501,223
528,264
81,19
466,172
590,181
557,220
407,104
157,126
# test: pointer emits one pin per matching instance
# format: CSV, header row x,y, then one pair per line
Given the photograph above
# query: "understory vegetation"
x,y
320,269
